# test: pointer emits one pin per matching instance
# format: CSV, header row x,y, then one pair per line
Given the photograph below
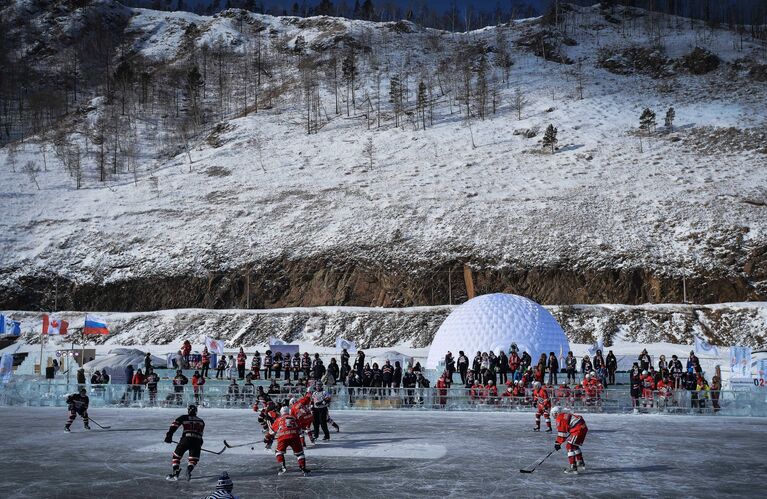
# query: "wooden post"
x,y
469,280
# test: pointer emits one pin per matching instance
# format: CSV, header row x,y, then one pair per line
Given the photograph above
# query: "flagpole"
x,y
82,352
42,342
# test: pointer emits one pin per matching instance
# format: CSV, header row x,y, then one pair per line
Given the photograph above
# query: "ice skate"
x,y
87,426
572,470
173,476
336,427
283,470
306,471
548,430
325,438
189,473
581,466
66,428
536,429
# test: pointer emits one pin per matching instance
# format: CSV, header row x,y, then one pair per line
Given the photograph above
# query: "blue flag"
x,y
9,326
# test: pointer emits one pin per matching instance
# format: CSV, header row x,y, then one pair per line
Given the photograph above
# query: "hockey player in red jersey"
x,y
288,433
648,385
301,409
572,429
541,399
266,417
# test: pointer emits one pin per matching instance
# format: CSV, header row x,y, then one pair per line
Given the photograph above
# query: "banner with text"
x,y
740,362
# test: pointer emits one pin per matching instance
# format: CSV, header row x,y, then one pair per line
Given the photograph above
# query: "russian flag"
x,y
95,325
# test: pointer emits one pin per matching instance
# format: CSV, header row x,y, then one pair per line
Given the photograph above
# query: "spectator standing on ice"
x,y
359,363
268,364
586,365
147,362
493,369
525,361
570,363
408,383
503,368
449,364
198,380
230,367
277,364
151,387
612,366
598,361
255,365
138,384
715,387
205,362
397,376
306,365
345,367
221,367
296,365
333,369
677,372
644,360
693,363
476,364
553,366
241,359
186,350
387,373
514,362
463,365
179,381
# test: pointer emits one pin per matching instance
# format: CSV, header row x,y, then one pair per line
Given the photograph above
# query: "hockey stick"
x,y
230,446
208,451
537,463
97,424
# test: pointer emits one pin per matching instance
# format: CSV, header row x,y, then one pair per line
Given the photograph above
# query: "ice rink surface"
x,y
386,454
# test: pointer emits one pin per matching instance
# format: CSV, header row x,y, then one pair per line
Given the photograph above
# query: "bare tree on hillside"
x,y
31,171
368,151
519,102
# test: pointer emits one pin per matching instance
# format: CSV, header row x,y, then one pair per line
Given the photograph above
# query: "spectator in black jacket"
x,y
397,377
570,363
128,375
553,366
179,381
612,366
476,365
449,364
377,380
408,383
359,363
586,365
503,368
644,360
525,361
333,369
367,376
677,372
353,383
387,371
345,367
463,365
599,361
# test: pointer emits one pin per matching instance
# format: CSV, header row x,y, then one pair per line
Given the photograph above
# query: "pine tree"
x,y
647,121
669,121
368,10
395,97
349,71
421,102
550,138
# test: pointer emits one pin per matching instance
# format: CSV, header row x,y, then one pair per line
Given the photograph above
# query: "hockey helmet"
x,y
587,376
191,410
318,385
537,385
645,372
292,401
557,410
284,411
224,482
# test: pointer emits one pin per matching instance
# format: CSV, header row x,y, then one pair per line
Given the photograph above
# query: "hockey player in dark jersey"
x,y
191,441
77,403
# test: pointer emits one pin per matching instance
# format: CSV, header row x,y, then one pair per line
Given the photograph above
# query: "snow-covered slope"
x,y
608,217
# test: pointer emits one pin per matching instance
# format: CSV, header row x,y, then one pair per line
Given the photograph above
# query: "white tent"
x,y
392,356
119,358
494,322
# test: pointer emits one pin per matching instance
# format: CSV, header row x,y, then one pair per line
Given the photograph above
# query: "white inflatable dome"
x,y
494,322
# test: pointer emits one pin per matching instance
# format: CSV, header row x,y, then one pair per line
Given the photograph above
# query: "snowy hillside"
x,y
362,212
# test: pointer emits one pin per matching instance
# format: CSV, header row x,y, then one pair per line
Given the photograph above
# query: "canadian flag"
x,y
54,325
214,346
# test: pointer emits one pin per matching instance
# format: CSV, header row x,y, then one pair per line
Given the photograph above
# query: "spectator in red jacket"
x,y
514,365
442,390
241,358
205,362
198,380
186,350
138,385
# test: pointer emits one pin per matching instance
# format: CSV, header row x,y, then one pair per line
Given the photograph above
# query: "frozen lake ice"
x,y
386,454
